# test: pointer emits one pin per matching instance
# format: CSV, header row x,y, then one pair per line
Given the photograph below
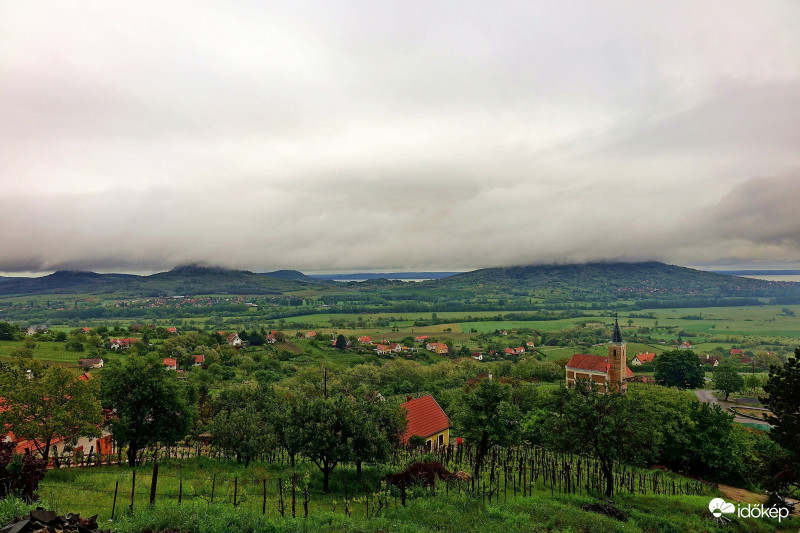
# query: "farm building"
x,y
643,358
427,420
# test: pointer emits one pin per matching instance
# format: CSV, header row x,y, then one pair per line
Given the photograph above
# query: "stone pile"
x,y
41,521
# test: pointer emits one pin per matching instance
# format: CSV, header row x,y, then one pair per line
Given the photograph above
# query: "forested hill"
x,y
64,281
184,280
615,281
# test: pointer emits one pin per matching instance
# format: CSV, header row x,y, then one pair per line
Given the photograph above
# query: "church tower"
x,y
617,361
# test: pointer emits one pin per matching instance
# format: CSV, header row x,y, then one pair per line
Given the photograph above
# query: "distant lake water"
x,y
795,278
393,279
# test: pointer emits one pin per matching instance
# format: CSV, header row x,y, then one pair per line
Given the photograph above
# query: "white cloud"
x,y
353,135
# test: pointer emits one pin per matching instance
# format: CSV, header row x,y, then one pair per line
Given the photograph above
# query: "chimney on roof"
x,y
409,398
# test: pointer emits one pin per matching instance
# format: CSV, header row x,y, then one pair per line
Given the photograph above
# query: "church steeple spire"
x,y
616,337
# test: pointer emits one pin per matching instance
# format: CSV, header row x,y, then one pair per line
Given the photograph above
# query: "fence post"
x,y
235,489
153,485
280,496
180,492
133,488
213,484
264,500
114,505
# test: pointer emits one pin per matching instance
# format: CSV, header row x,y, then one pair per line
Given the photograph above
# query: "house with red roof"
x,y
170,363
737,351
233,339
310,335
199,359
426,419
117,344
365,339
439,348
421,338
643,358
172,330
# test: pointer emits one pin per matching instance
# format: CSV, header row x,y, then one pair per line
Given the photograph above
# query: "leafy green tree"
x,y
284,418
752,382
149,404
241,432
341,342
783,391
49,402
255,338
488,417
726,379
326,429
679,368
9,332
611,426
378,427
74,344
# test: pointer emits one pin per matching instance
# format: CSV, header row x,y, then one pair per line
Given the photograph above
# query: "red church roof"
x,y
425,418
594,363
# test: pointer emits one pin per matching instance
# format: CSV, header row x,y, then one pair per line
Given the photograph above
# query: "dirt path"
x,y
738,495
707,396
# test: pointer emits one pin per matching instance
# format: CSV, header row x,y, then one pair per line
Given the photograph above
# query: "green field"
x,y
46,351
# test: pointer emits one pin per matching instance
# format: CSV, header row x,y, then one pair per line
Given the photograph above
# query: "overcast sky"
x,y
413,135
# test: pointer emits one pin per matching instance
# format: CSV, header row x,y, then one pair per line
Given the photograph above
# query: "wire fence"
x,y
502,474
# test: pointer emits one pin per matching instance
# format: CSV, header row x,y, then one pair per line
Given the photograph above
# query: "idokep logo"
x,y
718,507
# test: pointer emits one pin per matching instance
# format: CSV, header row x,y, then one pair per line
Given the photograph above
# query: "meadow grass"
x,y
457,512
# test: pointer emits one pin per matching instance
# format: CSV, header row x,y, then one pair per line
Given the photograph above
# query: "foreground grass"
x,y
90,491
462,513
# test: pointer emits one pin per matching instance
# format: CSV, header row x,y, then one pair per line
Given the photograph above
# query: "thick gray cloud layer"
x,y
413,135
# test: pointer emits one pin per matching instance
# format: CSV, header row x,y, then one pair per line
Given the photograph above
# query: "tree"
x,y
326,429
488,417
727,380
74,344
8,332
783,390
611,426
679,368
148,402
378,427
341,342
49,402
284,418
242,432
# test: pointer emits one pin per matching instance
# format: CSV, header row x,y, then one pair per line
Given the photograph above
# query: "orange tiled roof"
x,y
645,357
594,363
425,418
